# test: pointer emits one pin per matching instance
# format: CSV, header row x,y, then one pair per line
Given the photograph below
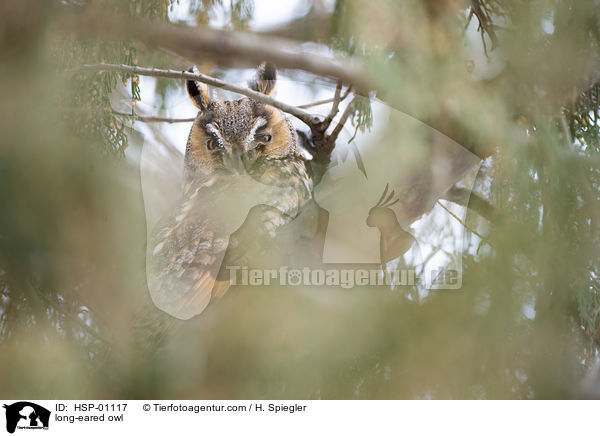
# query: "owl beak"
x,y
237,164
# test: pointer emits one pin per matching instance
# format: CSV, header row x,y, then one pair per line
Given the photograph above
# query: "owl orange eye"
x,y
264,138
212,144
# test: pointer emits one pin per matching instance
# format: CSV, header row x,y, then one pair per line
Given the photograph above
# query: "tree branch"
x,y
316,103
302,115
334,107
346,93
247,48
153,119
338,128
156,119
222,46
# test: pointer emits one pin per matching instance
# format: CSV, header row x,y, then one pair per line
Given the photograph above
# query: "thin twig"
x,y
153,119
338,128
316,103
334,107
302,115
346,93
459,220
485,22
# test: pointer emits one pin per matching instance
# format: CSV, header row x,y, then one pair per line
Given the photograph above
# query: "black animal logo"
x,y
28,415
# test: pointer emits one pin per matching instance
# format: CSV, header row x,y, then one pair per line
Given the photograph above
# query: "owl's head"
x,y
235,135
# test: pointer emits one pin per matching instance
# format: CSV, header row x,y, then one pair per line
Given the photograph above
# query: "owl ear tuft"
x,y
266,78
197,91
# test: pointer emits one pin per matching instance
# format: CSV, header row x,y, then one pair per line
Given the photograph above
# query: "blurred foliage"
x,y
238,12
95,120
362,115
582,119
72,232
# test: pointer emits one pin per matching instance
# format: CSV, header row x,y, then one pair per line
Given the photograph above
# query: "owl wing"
x,y
189,248
184,257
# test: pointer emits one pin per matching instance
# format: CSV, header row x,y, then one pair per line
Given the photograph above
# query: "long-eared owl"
x,y
244,182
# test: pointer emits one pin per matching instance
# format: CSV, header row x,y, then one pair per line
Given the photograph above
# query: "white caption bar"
x,y
23,417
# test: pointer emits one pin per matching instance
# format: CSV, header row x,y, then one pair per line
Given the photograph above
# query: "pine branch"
x,y
485,23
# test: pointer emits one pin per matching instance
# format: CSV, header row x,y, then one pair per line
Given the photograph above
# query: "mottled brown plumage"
x,y
241,167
